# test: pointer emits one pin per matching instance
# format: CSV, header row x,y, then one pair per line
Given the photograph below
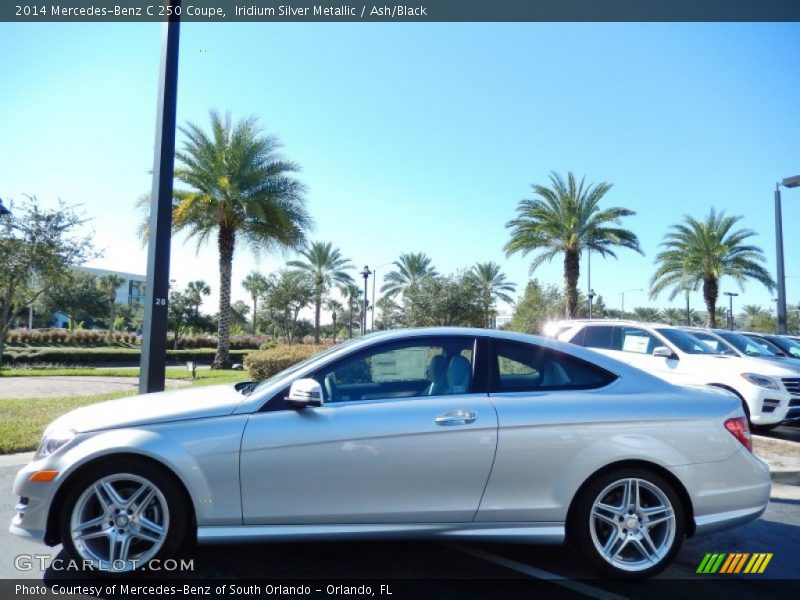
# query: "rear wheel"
x,y
629,523
119,518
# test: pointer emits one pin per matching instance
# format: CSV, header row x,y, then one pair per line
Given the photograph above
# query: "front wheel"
x,y
117,519
628,523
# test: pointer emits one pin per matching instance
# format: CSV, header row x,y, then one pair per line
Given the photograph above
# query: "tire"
x,y
137,505
604,520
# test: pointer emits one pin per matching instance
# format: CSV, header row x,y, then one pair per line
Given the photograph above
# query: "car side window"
x,y
523,367
599,336
638,340
404,369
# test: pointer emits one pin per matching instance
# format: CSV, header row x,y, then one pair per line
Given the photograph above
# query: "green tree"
x,y
566,219
493,286
538,305
108,285
77,295
352,296
674,316
390,313
647,314
180,312
326,267
37,247
410,269
257,286
289,293
750,312
335,308
195,291
702,252
443,301
239,188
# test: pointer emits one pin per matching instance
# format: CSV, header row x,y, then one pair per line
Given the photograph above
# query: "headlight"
x,y
54,440
761,381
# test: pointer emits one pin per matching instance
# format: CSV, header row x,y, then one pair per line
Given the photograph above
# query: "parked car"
x,y
734,343
435,433
766,390
777,343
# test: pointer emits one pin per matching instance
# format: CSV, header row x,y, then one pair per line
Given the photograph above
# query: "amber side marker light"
x,y
44,476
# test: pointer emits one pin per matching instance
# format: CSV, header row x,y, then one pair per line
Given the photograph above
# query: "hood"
x,y
147,409
775,368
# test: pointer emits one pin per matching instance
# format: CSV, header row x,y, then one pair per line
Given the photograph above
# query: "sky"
x,y
423,137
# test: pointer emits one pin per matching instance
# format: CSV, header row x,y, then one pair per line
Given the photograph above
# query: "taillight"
x,y
741,431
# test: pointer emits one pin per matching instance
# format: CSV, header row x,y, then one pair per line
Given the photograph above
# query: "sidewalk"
x,y
70,385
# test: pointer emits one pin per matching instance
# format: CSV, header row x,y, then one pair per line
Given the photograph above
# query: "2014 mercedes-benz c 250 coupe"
x,y
451,433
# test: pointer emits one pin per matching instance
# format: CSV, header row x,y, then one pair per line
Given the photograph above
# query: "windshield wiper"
x,y
246,387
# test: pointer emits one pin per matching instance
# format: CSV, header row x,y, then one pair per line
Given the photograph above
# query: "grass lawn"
x,y
22,420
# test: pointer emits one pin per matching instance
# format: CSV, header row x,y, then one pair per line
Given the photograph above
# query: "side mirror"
x,y
664,352
304,392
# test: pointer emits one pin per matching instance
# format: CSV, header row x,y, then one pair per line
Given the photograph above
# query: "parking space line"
x,y
575,586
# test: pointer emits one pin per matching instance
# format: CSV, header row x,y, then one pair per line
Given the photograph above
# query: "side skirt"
x,y
534,533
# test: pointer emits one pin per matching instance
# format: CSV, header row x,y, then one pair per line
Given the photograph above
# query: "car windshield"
x,y
685,342
716,343
790,347
745,345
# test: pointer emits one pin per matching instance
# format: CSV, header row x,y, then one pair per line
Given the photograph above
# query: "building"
x,y
132,290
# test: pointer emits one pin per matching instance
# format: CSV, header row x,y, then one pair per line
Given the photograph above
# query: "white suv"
x,y
680,358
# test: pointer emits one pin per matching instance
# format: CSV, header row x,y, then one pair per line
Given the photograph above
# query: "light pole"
x,y
365,274
622,297
730,296
4,212
789,182
374,302
591,299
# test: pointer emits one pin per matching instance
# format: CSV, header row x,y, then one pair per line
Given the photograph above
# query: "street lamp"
x,y
4,212
622,297
789,182
365,274
730,296
591,298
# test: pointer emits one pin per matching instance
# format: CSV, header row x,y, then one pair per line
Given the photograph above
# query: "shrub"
x,y
263,364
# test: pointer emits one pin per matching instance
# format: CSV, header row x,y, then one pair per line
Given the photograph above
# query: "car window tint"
x,y
715,344
523,367
638,340
598,336
405,369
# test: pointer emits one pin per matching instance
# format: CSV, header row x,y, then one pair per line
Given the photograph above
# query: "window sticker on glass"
x,y
635,343
399,365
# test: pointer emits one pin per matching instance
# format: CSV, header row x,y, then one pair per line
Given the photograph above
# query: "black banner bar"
x,y
407,11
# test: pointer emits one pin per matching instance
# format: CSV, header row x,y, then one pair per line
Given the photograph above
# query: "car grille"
x,y
792,385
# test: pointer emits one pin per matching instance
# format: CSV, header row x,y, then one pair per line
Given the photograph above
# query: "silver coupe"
x,y
460,434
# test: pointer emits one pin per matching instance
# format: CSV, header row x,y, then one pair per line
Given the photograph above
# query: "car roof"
x,y
614,322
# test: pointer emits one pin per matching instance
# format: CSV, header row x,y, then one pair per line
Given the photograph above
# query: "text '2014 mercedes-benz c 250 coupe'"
x,y
432,433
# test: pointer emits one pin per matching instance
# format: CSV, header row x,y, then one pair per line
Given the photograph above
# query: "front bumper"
x,y
35,498
767,407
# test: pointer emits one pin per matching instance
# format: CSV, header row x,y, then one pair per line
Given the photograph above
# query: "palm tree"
x,y
256,285
696,252
751,313
352,294
325,265
493,286
109,285
240,188
335,307
566,219
195,290
675,316
411,268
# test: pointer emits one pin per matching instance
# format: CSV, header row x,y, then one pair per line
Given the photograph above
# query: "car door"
x,y
548,410
406,433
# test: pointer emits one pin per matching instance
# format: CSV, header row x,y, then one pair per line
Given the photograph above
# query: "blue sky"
x,y
424,136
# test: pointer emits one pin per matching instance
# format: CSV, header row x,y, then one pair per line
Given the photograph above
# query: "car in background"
x,y
778,343
449,433
734,343
680,358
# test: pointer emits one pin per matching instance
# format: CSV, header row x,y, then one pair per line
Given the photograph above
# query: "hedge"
x,y
68,356
98,337
266,363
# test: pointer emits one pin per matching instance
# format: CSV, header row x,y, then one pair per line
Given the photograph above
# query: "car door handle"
x,y
457,417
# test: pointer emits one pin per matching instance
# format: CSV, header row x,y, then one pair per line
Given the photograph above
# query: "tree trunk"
x,y
226,240
334,327
255,311
710,293
317,311
572,271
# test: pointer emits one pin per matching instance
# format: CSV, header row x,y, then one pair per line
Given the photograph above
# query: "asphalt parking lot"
x,y
777,531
